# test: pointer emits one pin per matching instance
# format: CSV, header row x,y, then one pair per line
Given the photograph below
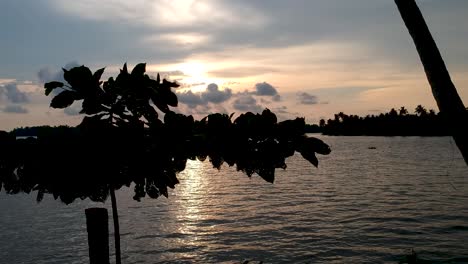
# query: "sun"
x,y
194,74
194,69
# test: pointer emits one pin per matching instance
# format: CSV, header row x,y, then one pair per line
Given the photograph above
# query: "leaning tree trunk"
x,y
449,102
115,216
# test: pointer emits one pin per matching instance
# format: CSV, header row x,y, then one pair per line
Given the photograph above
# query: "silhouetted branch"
x,y
121,141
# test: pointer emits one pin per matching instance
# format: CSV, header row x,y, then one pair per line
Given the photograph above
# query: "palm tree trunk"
x,y
449,102
115,216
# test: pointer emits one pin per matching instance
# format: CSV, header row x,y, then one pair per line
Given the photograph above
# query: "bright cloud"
x,y
164,13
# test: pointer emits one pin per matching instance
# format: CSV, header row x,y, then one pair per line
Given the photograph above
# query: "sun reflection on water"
x,y
194,205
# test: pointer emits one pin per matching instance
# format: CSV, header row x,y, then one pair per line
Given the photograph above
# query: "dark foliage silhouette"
x,y
122,141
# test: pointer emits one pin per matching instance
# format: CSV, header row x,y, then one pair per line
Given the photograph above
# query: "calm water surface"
x,y
361,206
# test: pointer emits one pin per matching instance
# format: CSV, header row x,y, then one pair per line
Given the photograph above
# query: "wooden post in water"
x,y
98,235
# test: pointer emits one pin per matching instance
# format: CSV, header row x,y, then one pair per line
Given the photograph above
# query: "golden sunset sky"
x,y
309,58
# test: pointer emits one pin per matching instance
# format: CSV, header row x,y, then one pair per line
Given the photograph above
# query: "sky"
x,y
306,58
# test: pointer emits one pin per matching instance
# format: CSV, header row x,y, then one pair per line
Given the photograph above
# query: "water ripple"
x,y
360,206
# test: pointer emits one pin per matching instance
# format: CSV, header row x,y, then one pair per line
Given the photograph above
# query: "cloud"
x,y
47,75
265,89
191,99
170,74
241,72
189,85
281,110
247,103
17,109
13,94
307,99
165,13
214,95
182,40
211,95
203,110
6,81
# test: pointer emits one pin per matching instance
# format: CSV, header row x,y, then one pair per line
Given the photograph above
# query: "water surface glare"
x,y
361,206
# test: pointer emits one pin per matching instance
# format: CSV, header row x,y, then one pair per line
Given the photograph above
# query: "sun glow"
x,y
191,74
197,73
192,68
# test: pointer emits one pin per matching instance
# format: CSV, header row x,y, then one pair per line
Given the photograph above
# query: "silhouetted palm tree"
x,y
403,111
420,110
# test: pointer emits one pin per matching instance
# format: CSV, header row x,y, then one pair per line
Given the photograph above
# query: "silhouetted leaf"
x,y
50,86
109,85
151,190
267,173
171,179
124,69
163,191
269,116
161,106
169,84
40,196
80,78
63,99
97,74
150,114
91,106
139,69
315,145
171,99
310,156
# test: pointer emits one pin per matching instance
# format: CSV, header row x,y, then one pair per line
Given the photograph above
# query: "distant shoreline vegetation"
x,y
393,123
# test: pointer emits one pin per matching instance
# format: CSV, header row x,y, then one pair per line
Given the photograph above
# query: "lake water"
x,y
361,206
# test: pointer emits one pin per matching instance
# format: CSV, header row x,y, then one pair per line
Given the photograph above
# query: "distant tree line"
x,y
40,131
399,122
393,123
